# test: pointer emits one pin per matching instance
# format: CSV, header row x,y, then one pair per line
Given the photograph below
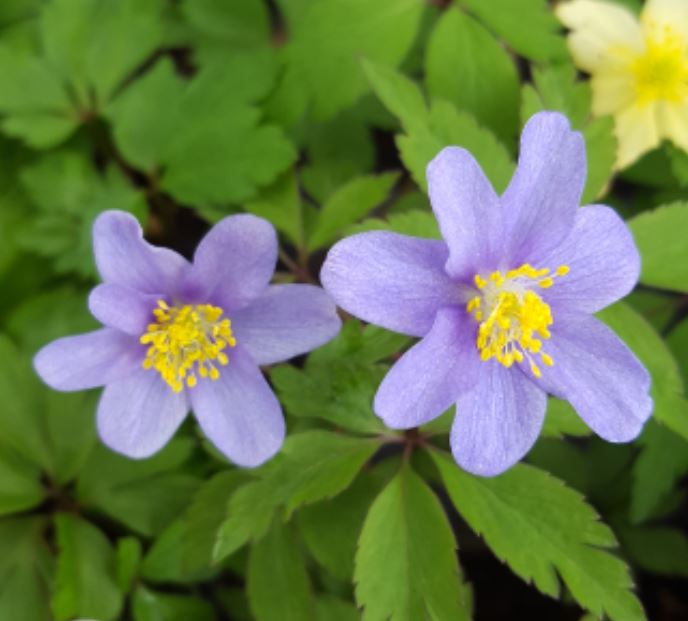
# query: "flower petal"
x,y
603,33
123,257
637,133
603,260
239,413
122,308
286,321
429,377
234,262
612,92
672,122
498,421
658,14
601,378
467,210
394,281
88,360
540,204
139,414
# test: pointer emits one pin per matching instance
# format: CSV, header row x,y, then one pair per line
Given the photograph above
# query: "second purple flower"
x,y
503,304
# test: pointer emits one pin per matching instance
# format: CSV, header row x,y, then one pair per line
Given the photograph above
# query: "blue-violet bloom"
x,y
180,335
503,304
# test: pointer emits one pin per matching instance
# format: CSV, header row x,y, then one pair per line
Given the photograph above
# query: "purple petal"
x,y
139,414
429,377
498,421
88,360
601,377
239,413
122,308
603,260
234,262
540,203
123,257
468,212
394,281
286,321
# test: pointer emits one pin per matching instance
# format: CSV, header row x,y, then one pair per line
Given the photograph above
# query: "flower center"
x,y
662,71
513,318
185,341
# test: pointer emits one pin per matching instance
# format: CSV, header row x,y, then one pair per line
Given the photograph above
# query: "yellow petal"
x,y
637,133
612,92
672,119
604,35
671,13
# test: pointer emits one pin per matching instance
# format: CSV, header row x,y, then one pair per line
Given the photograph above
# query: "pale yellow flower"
x,y
639,69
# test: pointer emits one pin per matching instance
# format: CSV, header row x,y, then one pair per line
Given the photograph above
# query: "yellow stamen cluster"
x,y
185,341
513,317
661,72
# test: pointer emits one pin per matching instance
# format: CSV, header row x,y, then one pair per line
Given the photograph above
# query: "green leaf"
x,y
678,343
20,483
89,50
541,529
145,495
429,131
662,461
348,204
660,237
540,41
149,605
281,204
25,570
127,561
207,146
406,565
670,407
337,152
467,66
69,194
343,515
600,144
330,608
85,583
659,550
203,519
416,223
562,420
277,582
323,59
313,465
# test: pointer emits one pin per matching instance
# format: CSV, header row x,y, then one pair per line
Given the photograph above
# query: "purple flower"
x,y
503,304
178,335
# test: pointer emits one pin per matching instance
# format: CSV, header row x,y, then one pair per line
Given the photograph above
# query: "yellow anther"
x,y
514,320
185,341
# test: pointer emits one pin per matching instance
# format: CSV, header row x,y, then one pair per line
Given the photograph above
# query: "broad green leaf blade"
x,y
348,204
406,565
660,235
562,420
659,550
330,608
662,461
416,223
277,583
539,41
85,583
20,482
542,528
324,58
670,407
149,605
127,560
343,515
467,66
26,570
145,495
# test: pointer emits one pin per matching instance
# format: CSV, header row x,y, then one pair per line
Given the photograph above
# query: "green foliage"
x,y
660,239
551,531
487,86
406,568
